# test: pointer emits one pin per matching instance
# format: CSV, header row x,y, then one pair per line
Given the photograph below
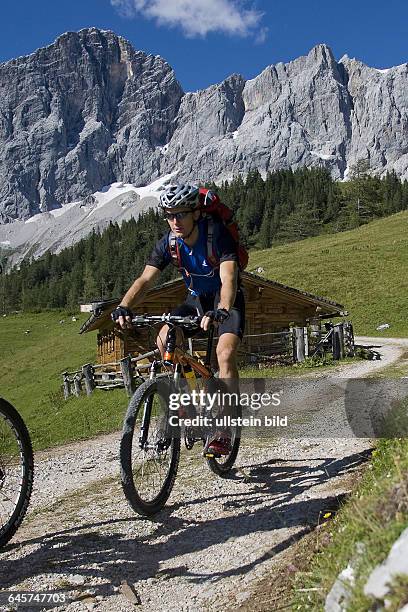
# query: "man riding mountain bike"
x,y
214,290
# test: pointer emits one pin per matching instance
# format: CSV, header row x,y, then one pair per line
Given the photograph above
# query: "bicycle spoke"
x,y
150,467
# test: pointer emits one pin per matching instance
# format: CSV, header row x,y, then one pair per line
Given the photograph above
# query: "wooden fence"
x,y
296,344
126,373
254,347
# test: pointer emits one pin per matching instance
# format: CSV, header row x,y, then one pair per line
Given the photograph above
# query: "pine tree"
x,y
90,288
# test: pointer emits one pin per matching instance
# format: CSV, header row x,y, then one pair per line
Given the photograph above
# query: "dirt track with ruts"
x,y
212,544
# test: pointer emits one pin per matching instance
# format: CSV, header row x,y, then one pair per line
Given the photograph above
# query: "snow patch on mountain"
x,y
63,227
322,155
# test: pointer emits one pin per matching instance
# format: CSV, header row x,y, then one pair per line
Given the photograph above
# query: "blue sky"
x,y
207,40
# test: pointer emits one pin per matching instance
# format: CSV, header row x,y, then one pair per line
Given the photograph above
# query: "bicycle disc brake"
x,y
163,445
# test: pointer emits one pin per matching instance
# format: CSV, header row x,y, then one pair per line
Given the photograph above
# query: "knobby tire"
x,y
130,439
10,418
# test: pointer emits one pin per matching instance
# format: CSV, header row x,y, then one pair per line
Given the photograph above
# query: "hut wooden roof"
x,y
101,310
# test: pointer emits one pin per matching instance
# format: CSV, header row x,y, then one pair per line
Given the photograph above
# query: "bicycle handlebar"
x,y
166,318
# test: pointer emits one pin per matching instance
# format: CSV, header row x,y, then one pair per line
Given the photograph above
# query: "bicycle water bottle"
x,y
190,375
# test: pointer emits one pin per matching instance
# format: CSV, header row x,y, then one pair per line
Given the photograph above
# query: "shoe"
x,y
220,446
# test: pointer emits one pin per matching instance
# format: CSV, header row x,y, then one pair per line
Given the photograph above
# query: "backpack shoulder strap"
x,y
211,254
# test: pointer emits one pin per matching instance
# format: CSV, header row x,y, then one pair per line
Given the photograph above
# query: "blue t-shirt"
x,y
199,276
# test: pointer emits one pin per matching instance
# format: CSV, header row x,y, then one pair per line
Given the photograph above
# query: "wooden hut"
x,y
270,309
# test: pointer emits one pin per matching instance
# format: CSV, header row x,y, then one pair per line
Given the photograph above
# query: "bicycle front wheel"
x,y
16,471
149,449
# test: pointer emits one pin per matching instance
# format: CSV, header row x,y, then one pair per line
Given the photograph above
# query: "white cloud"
x,y
261,36
198,17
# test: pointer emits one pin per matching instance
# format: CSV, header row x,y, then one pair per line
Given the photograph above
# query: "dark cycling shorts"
x,y
199,305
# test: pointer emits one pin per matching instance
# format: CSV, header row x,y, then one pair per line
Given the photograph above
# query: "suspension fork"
x,y
147,409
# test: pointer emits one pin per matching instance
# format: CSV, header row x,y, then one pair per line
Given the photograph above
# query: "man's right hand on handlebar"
x,y
122,315
214,316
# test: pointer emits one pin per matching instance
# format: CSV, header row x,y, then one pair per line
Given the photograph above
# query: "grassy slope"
x,y
30,377
365,269
373,517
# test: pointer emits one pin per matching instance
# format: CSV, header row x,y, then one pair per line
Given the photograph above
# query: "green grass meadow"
x,y
30,378
365,269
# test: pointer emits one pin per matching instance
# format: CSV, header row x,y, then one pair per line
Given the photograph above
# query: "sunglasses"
x,y
178,216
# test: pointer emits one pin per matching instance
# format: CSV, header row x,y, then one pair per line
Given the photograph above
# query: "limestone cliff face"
x,y
90,110
379,116
78,114
291,115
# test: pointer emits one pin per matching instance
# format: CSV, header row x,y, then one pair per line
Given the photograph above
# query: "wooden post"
x,y
67,385
300,344
348,339
342,347
292,343
126,369
306,340
315,331
88,375
77,385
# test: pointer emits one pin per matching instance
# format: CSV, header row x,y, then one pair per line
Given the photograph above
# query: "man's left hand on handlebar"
x,y
214,317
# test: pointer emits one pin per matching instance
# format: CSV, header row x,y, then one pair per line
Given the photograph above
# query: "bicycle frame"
x,y
203,369
184,358
181,358
159,439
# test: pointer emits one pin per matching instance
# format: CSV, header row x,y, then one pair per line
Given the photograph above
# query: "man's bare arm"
x,y
229,282
134,295
140,287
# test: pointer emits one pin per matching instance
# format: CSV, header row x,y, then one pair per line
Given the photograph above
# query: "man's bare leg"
x,y
162,337
227,349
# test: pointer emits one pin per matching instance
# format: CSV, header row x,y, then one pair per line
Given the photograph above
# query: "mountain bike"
x,y
16,470
151,440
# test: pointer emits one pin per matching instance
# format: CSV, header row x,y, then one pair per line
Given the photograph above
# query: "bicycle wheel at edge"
x,y
148,475
16,471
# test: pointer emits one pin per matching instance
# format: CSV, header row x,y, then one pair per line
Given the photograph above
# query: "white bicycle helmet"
x,y
180,196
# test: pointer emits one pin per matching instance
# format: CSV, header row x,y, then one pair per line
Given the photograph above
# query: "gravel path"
x,y
212,543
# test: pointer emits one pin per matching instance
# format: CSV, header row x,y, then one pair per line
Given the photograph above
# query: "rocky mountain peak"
x,y
66,121
90,110
322,54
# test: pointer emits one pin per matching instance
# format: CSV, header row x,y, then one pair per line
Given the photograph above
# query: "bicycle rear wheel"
x,y
222,465
149,468
16,471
